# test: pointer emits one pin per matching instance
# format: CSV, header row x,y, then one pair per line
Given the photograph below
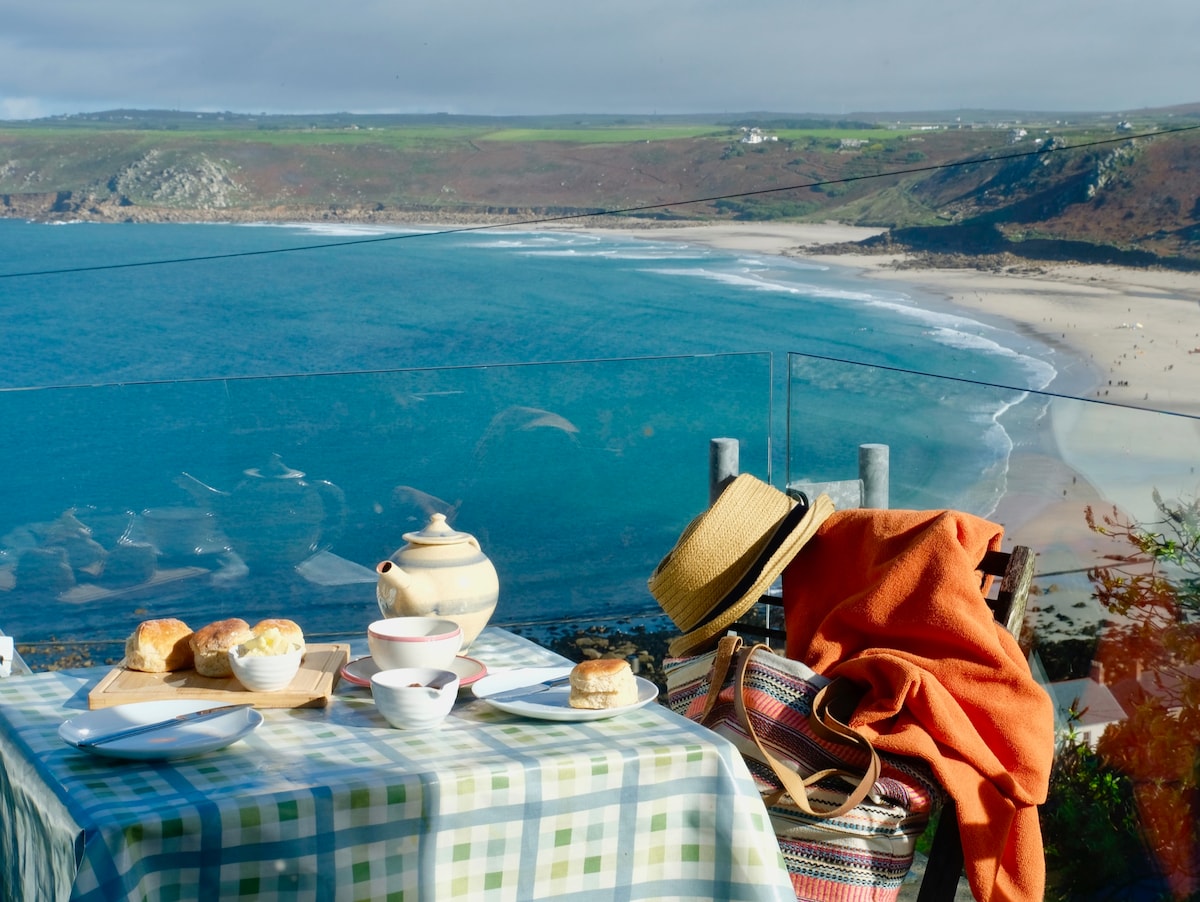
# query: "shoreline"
x,y
1131,336
1112,319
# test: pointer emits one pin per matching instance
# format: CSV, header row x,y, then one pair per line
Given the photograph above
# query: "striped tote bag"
x,y
847,818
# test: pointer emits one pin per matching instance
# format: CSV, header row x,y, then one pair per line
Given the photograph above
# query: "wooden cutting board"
x,y
310,688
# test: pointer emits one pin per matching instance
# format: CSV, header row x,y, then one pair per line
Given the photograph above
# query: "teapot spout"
x,y
398,593
393,575
204,494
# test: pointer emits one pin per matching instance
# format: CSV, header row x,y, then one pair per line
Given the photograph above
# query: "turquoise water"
x,y
168,359
444,300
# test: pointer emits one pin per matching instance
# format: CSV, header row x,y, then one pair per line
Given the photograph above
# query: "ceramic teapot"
x,y
440,572
274,516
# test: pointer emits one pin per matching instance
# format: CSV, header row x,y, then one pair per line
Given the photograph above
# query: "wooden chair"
x,y
1014,570
1013,573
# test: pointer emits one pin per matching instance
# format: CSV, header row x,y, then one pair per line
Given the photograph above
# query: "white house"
x,y
755,136
1093,704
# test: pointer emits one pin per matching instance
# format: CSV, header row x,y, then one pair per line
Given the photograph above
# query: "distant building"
x,y
1087,706
756,136
1165,689
1098,703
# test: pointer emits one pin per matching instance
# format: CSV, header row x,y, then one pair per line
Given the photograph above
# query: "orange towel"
x,y
892,600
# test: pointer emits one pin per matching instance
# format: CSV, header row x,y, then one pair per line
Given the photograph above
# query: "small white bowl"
x,y
265,673
414,642
414,698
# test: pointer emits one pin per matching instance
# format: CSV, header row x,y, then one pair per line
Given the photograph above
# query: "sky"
x,y
513,57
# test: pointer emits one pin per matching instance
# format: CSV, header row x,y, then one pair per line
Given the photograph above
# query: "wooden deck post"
x,y
873,461
722,465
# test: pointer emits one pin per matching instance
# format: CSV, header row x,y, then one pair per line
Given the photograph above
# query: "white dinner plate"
x,y
176,741
360,670
551,704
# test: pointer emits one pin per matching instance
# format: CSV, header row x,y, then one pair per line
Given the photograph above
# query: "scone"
x,y
288,629
602,683
159,646
211,644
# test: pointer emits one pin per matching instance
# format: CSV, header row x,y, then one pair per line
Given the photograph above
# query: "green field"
x,y
429,131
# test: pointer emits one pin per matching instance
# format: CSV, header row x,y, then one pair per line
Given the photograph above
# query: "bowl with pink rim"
x,y
397,642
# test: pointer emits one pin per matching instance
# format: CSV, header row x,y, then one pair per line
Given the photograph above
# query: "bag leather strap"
x,y
826,725
727,650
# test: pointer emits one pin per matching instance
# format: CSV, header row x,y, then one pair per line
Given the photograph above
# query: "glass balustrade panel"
x,y
265,497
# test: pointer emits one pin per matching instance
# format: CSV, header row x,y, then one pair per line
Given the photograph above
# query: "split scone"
x,y
288,630
603,683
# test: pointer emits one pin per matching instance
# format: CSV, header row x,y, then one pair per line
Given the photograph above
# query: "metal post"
x,y
723,465
873,471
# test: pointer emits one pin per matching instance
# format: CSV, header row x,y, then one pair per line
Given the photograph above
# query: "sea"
x,y
130,329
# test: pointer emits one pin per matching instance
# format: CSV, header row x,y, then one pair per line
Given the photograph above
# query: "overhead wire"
x,y
616,211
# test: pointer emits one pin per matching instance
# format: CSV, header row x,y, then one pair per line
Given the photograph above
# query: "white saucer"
x,y
360,671
551,704
182,741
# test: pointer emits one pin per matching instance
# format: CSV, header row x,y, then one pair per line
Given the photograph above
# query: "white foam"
x,y
338,229
747,279
613,254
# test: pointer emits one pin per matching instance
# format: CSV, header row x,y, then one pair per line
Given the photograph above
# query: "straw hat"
x,y
729,555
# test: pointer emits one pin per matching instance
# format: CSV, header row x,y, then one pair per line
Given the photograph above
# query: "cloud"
x,y
635,56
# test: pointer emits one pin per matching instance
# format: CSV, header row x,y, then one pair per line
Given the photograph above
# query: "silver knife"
x,y
532,689
191,717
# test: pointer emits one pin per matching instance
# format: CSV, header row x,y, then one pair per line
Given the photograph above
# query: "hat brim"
x,y
789,538
717,549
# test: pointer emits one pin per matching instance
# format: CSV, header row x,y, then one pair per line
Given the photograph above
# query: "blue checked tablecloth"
x,y
331,803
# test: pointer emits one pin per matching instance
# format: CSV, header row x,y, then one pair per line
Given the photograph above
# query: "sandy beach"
x,y
1131,336
1139,329
1138,333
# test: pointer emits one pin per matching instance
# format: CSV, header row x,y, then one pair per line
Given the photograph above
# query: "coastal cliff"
x,y
1089,192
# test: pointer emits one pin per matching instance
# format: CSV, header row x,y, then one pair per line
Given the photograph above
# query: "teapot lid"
x,y
275,469
437,532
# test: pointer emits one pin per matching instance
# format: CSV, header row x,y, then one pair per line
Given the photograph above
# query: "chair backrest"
x,y
1012,570
845,494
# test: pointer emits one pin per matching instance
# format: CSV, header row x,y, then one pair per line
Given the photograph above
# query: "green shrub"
x,y
1090,829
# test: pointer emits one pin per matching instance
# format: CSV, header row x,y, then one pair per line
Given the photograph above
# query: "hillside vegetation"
x,y
1114,188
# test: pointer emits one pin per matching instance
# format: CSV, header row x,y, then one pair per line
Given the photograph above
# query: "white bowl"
x,y
414,698
414,642
265,673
